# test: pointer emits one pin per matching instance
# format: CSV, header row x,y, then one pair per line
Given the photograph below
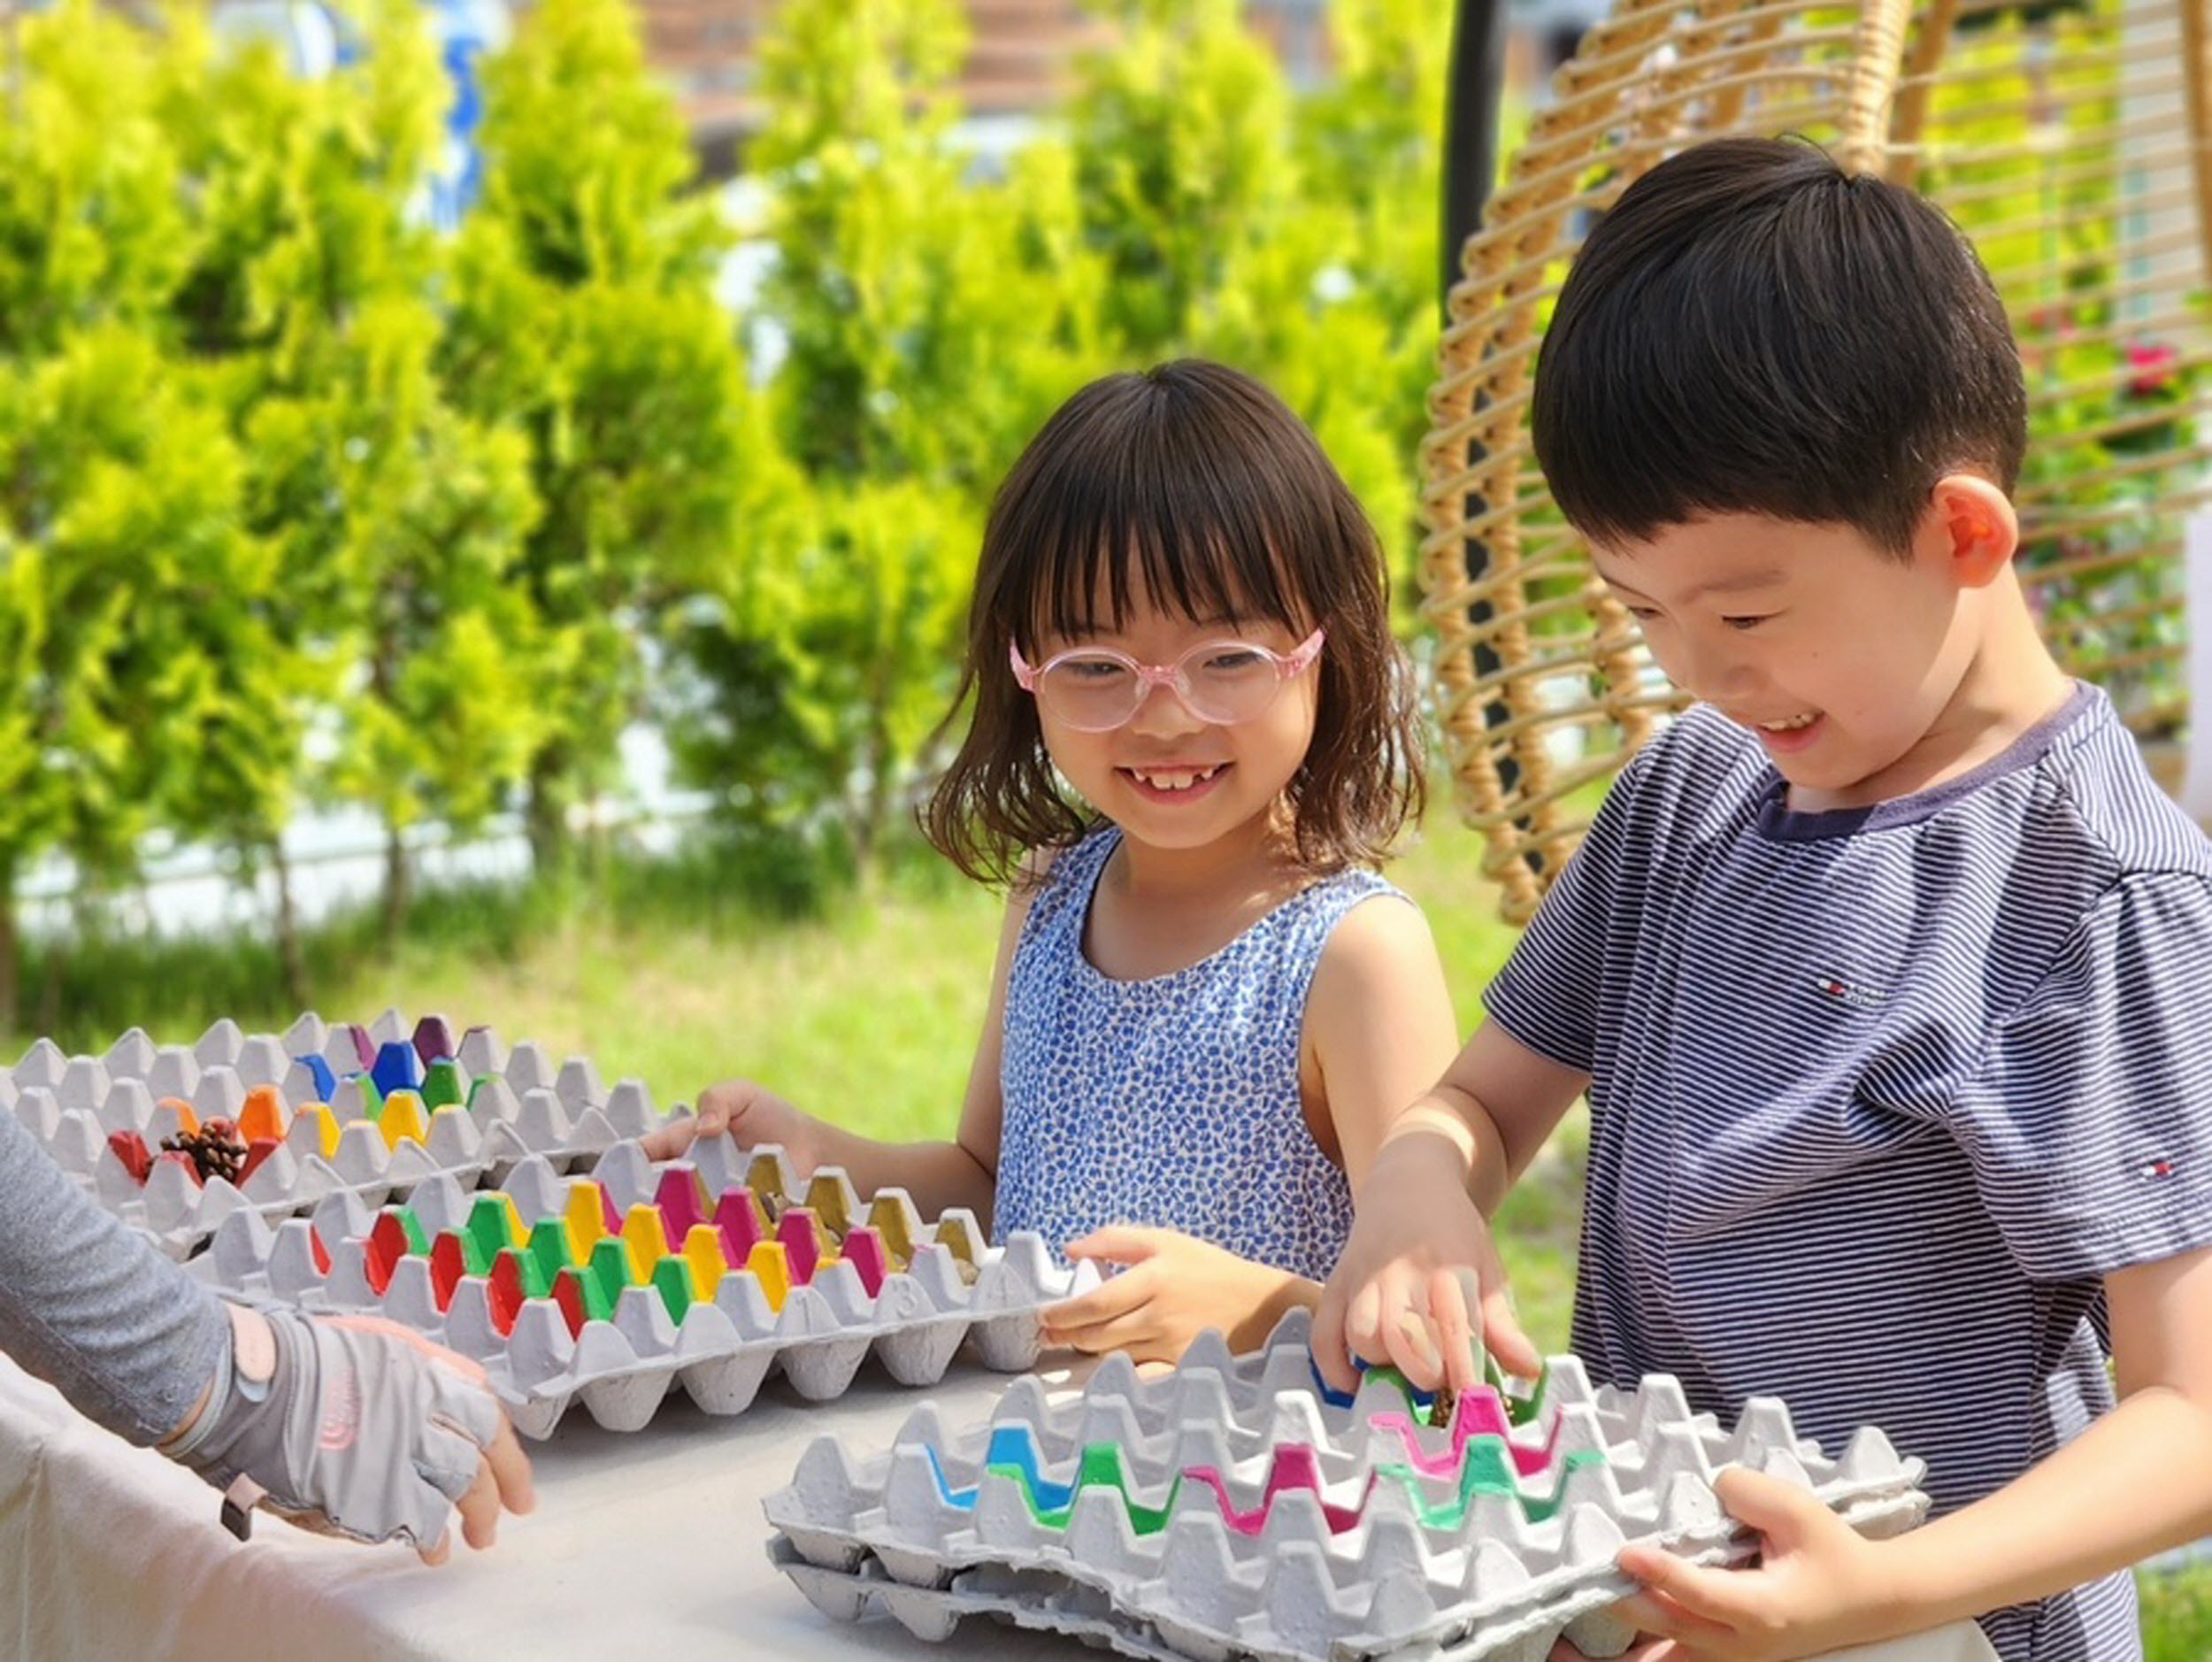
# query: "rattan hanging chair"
x,y
2069,139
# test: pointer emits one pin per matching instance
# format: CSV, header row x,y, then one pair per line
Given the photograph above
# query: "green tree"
x,y
827,666
931,314
1179,133
87,183
1293,237
2025,153
1371,150
135,592
119,539
396,519
426,520
583,314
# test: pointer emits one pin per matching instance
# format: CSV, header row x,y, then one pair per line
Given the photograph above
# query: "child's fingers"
x,y
1562,1652
1657,1650
1409,1338
1104,1303
1364,1319
1449,1306
1664,1617
1389,1323
1505,1338
480,1509
676,1136
717,1107
1130,1330
1332,1354
1116,1243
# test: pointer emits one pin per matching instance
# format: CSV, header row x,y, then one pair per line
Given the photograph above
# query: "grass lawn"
x,y
2177,1615
866,1014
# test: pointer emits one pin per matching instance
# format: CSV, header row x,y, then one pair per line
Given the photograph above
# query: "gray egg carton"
x,y
723,1350
525,1107
932,1531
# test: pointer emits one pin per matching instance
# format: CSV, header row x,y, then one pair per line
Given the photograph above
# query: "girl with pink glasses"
x,y
1191,739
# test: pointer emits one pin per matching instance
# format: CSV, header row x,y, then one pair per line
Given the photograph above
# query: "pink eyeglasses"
x,y
1094,689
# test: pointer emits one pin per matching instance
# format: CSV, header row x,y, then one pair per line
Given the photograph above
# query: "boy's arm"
x,y
2136,1481
1420,1280
1401,1293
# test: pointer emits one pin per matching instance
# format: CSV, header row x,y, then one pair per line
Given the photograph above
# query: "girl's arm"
x,y
939,1176
965,1171
2136,1481
1379,1029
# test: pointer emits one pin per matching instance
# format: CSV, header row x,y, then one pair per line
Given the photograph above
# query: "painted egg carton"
x,y
1233,1510
322,1109
611,1288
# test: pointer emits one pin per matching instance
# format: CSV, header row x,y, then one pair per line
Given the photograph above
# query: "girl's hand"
x,y
1419,1284
1820,1587
753,1115
1172,1288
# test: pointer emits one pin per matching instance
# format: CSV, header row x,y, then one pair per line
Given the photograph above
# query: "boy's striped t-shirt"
x,y
1879,1096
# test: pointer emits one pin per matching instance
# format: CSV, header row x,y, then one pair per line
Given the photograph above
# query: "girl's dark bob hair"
x,y
1192,488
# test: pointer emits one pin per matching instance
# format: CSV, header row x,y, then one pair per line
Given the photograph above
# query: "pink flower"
x,y
2154,367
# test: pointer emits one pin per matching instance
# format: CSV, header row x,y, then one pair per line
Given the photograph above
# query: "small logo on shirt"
x,y
2155,1169
1845,992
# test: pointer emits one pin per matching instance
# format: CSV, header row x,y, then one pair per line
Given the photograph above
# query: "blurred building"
x,y
1022,54
1021,57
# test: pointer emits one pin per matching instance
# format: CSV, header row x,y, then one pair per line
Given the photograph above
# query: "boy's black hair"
x,y
1194,488
1753,330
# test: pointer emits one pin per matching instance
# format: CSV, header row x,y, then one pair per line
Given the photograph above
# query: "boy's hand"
x,y
1419,1284
1820,1587
1172,1289
752,1114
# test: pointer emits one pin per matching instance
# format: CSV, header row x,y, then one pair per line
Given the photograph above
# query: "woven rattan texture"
x,y
2070,140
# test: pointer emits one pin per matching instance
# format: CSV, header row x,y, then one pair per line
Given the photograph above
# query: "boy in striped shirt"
x,y
1886,969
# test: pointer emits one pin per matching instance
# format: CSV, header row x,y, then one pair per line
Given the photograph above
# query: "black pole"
x,y
1472,91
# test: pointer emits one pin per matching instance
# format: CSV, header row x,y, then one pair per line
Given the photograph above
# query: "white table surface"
x,y
644,1543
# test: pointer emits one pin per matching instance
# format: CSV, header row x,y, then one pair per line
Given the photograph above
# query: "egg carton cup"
x,y
342,1133
1230,1511
938,1286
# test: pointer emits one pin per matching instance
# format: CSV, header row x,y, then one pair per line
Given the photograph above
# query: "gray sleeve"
x,y
1547,997
2088,1117
92,1308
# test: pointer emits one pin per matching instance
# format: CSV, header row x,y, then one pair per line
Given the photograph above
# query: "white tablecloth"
x,y
649,1543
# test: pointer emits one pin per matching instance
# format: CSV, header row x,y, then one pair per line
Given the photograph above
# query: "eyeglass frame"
x,y
1288,667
